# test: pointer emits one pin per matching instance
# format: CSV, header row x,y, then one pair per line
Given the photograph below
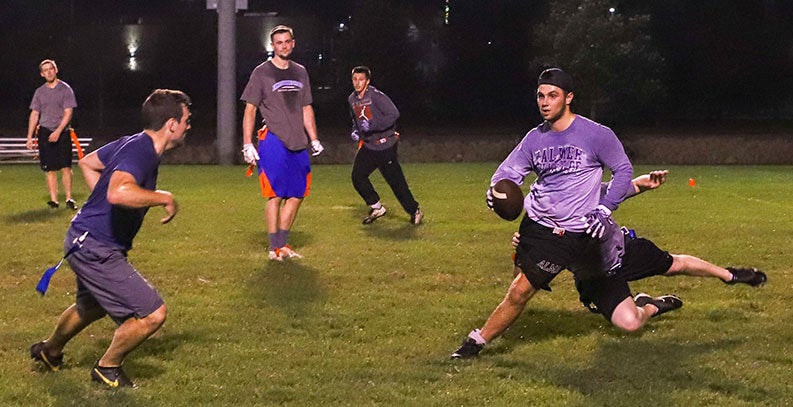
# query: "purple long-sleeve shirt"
x,y
569,166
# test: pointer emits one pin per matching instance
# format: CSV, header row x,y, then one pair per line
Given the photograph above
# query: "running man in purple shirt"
x,y
568,222
122,177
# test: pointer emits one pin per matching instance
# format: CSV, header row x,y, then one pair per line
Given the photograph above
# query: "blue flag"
x,y
44,281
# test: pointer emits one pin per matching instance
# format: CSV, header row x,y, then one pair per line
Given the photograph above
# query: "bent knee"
x,y
515,298
679,263
629,325
157,318
627,316
520,291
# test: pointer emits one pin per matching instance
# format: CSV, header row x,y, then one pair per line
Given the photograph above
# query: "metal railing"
x,y
13,150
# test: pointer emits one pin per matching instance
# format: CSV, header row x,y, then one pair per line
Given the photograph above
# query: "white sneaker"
x,y
374,214
287,251
276,255
417,217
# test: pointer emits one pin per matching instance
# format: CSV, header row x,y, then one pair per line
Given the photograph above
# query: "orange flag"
x,y
76,144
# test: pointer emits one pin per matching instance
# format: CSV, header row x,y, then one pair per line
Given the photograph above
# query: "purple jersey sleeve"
x,y
612,155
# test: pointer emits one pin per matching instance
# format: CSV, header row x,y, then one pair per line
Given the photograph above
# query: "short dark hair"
x,y
48,61
281,29
364,70
556,77
161,105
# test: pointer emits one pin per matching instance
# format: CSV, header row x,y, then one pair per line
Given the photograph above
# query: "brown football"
x,y
507,199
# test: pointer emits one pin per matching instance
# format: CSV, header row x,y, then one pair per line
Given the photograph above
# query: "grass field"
x,y
371,314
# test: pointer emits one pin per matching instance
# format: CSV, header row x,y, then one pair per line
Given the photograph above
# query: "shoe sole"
x,y
761,278
369,220
41,358
643,299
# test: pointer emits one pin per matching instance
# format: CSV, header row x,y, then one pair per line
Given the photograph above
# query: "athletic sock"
x,y
477,336
273,238
283,237
376,205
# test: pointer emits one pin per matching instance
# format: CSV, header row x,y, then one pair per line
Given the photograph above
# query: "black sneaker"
x,y
751,276
113,377
71,204
664,303
417,217
468,349
38,353
374,214
53,204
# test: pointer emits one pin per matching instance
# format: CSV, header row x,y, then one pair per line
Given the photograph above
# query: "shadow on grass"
x,y
36,215
538,324
644,369
162,347
78,389
387,229
288,285
631,366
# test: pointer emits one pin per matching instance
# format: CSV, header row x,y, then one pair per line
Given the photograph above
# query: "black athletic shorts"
x,y
602,294
57,155
542,254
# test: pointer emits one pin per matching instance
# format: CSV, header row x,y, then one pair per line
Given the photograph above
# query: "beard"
x,y
177,143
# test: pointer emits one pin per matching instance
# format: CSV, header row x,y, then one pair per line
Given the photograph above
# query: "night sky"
x,y
724,60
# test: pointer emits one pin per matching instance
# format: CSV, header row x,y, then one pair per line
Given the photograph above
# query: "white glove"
x,y
597,221
250,154
365,126
355,136
316,148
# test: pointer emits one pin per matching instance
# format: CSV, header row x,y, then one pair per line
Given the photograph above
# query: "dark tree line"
x,y
647,62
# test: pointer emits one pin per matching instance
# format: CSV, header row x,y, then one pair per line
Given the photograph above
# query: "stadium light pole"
x,y
227,77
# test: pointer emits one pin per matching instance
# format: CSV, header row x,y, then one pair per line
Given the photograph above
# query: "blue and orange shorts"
x,y
283,173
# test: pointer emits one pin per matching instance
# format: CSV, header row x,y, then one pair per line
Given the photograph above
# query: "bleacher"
x,y
13,150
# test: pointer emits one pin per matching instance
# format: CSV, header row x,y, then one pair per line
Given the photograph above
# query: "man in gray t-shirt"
x,y
50,113
280,89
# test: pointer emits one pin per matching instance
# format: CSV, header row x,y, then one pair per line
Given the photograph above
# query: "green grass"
x,y
371,314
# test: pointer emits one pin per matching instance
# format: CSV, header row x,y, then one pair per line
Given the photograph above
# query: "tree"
x,y
618,70
378,37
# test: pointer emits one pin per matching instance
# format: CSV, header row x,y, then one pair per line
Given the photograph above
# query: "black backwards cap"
x,y
556,77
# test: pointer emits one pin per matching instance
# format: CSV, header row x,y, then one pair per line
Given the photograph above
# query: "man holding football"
x,y
642,259
568,223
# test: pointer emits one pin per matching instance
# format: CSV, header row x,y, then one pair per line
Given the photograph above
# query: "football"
x,y
507,199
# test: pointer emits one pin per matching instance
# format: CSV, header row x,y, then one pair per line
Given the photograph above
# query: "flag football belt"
x,y
44,282
558,230
382,140
378,141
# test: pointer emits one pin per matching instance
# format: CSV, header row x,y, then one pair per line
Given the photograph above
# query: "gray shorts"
x,y
105,278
